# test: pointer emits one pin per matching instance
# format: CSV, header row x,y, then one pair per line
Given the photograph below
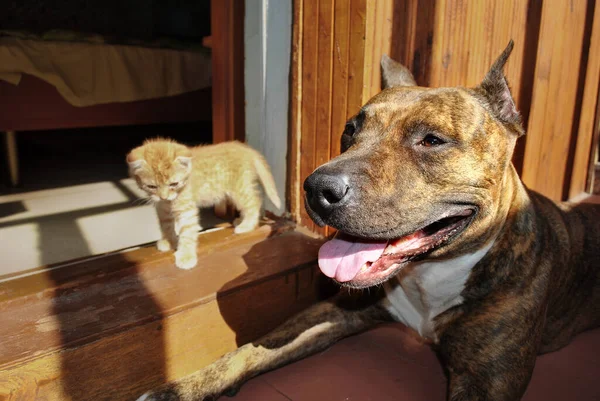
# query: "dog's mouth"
x,y
361,263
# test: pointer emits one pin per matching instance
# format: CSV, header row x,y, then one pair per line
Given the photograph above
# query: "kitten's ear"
x,y
494,88
134,162
395,74
185,161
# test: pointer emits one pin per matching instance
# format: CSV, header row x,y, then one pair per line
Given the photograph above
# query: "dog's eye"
x,y
349,130
174,184
431,140
151,186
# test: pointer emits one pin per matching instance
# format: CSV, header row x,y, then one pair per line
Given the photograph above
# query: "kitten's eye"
x,y
152,186
349,130
431,141
174,184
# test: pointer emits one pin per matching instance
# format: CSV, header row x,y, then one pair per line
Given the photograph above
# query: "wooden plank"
x,y
339,89
329,84
325,81
324,84
412,36
369,45
119,288
525,92
356,59
554,97
378,42
93,326
294,189
227,24
340,75
310,43
468,36
588,122
123,366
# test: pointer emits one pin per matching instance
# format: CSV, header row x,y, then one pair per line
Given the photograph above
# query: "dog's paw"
x,y
161,394
185,390
163,245
185,259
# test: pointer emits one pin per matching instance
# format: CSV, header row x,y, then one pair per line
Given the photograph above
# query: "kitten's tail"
x,y
266,179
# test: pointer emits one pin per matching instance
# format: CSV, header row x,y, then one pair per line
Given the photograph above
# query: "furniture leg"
x,y
10,139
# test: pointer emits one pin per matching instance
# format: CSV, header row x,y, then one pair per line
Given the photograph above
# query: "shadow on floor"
x,y
127,364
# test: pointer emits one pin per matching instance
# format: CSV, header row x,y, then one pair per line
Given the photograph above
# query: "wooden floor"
x,y
110,328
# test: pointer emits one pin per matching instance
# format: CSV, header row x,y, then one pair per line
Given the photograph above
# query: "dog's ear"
x,y
395,74
496,91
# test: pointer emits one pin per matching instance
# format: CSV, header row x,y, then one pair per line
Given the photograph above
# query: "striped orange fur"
x,y
178,179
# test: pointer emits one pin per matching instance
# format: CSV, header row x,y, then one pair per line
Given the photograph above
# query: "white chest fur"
x,y
431,288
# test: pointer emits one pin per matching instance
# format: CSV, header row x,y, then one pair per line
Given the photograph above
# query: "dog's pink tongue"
x,y
343,259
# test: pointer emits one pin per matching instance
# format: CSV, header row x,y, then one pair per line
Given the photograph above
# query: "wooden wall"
x,y
327,73
554,72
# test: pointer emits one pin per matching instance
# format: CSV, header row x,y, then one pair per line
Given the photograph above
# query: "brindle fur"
x,y
536,288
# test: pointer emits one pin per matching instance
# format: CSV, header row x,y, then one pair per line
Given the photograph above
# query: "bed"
x,y
70,82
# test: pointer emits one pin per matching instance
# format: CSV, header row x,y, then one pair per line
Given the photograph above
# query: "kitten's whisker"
x,y
142,201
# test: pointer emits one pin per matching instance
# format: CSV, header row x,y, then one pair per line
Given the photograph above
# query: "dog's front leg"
x,y
307,333
490,353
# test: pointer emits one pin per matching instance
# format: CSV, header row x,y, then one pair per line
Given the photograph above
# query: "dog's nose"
x,y
326,192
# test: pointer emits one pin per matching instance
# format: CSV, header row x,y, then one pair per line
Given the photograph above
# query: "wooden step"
x,y
109,328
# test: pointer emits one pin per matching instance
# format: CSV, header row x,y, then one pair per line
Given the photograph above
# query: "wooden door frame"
x,y
227,42
588,131
227,26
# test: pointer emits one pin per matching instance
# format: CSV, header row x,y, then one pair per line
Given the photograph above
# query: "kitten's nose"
x,y
163,193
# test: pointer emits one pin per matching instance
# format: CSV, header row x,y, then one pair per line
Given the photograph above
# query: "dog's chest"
x,y
430,289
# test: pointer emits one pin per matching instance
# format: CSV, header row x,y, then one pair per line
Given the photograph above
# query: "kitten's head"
x,y
161,167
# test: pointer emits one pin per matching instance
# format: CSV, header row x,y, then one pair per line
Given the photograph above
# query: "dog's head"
x,y
421,175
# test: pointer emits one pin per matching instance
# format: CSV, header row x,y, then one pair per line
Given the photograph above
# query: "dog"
x,y
429,207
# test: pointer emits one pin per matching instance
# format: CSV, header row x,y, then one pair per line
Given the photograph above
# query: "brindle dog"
x,y
427,202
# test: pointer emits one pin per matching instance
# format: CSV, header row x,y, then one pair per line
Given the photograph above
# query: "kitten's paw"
x,y
243,229
185,259
163,245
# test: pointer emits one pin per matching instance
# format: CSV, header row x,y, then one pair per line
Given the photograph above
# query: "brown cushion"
x,y
389,363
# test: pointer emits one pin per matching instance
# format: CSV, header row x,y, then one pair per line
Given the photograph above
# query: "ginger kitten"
x,y
179,179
